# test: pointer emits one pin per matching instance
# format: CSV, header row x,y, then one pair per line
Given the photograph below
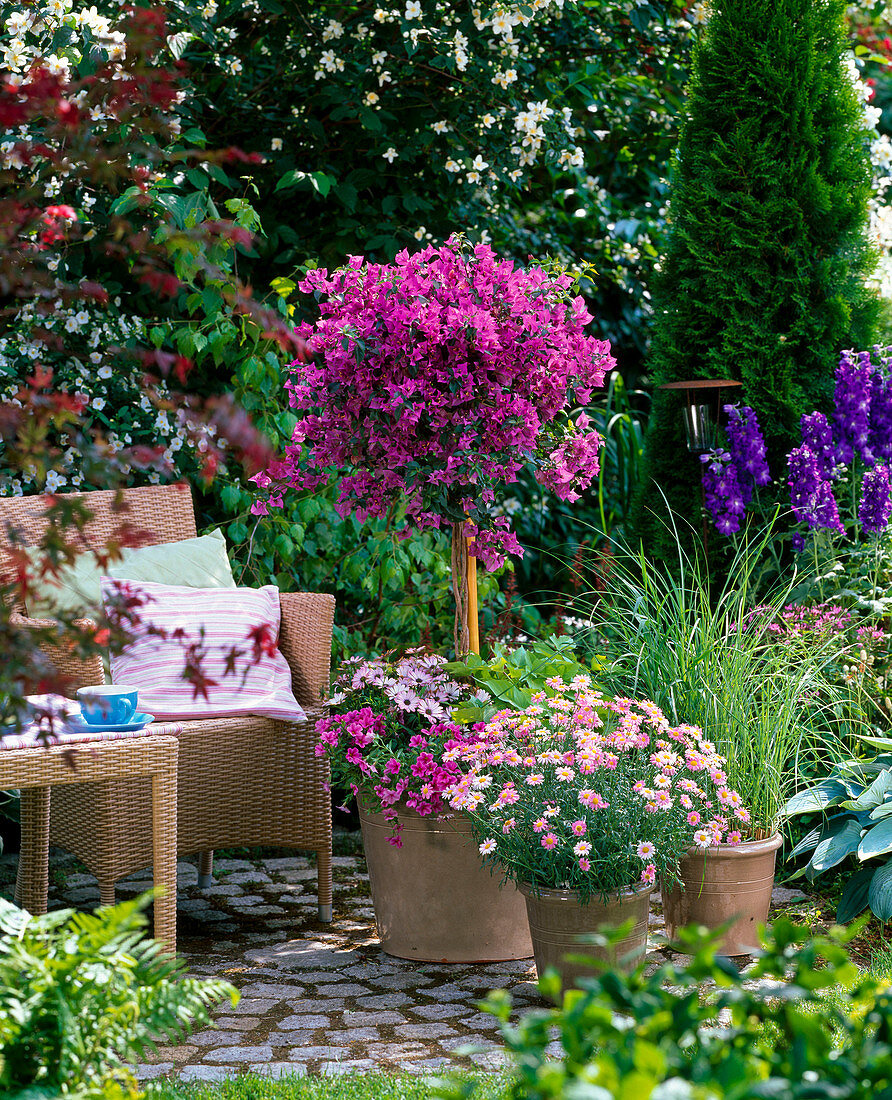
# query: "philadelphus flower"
x,y
413,9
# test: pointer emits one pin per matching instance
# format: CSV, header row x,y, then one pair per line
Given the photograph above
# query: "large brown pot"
x,y
434,900
723,884
560,926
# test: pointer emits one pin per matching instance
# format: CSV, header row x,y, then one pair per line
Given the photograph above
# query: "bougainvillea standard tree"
x,y
434,380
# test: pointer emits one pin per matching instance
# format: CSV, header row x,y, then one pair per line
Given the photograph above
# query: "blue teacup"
x,y
107,704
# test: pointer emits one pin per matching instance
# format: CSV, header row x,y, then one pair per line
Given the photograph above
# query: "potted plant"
x,y
764,696
388,739
584,801
433,381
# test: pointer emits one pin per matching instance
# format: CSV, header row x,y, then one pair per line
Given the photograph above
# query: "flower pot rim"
x,y
403,810
632,890
738,851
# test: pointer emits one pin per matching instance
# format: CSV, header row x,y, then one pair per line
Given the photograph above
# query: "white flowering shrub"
x,y
541,127
99,368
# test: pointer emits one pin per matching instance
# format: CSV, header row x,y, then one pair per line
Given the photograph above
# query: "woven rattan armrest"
x,y
78,671
305,641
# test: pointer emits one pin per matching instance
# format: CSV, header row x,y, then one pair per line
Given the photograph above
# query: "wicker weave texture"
x,y
241,781
44,773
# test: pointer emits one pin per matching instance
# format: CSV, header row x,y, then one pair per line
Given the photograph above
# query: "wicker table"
x,y
75,760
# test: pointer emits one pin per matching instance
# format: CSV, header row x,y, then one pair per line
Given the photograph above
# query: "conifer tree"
x,y
767,260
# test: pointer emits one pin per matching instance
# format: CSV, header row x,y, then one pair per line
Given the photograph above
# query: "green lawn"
x,y
352,1086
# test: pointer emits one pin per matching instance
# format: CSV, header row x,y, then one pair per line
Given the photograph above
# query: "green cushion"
x,y
195,563
75,591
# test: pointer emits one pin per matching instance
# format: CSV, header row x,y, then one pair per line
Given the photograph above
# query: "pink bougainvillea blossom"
x,y
436,379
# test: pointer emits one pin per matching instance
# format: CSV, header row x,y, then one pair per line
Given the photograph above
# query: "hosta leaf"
x,y
810,841
880,893
855,895
828,793
872,796
877,840
876,742
842,837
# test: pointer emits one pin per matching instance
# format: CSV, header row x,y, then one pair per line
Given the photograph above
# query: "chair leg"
x,y
323,863
205,870
107,893
32,877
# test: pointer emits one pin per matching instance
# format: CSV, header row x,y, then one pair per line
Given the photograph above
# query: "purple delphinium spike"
x,y
875,506
881,414
810,494
817,435
852,414
725,497
747,447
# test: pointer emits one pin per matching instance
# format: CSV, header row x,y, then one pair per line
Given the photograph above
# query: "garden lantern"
x,y
702,409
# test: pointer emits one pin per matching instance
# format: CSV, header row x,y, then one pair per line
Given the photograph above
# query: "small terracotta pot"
x,y
560,926
722,884
434,900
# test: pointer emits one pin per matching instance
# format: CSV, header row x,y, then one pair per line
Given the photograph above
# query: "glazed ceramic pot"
x,y
434,900
560,926
727,883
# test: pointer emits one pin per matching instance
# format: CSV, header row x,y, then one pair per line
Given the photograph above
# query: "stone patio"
x,y
316,998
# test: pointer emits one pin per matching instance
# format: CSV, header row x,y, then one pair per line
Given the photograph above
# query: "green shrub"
x,y
82,992
705,1031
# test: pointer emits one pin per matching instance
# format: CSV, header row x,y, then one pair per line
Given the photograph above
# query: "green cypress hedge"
x,y
767,257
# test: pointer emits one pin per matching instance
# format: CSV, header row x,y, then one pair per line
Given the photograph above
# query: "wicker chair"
x,y
241,781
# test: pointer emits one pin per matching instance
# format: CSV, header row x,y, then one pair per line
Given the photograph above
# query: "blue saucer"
x,y
137,722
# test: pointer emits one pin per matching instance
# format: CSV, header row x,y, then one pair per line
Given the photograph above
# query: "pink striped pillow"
x,y
155,665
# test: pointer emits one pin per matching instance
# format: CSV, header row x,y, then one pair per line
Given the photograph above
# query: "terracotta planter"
x,y
434,900
723,884
559,926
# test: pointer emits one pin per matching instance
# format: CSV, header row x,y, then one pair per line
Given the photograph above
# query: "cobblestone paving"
x,y
317,998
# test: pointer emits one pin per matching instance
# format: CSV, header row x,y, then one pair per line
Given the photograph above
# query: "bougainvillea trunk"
x,y
460,589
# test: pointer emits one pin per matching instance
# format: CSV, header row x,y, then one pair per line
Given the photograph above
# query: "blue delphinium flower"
x,y
852,413
747,447
725,496
810,494
875,506
817,435
881,413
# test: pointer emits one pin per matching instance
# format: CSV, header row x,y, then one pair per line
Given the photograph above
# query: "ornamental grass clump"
x,y
434,381
708,658
585,793
386,737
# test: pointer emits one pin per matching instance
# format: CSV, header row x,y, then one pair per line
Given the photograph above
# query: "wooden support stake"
x,y
473,613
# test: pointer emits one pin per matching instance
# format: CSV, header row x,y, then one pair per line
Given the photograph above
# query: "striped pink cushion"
x,y
155,665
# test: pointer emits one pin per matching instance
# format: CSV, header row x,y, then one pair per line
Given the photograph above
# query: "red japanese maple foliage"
x,y
108,130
